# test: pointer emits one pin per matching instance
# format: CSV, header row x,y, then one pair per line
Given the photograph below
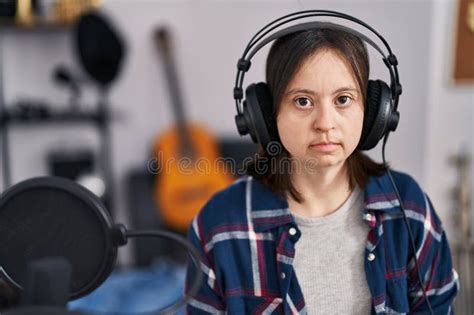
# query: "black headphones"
x,y
255,116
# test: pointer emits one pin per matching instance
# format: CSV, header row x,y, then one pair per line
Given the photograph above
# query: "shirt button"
x,y
292,231
371,257
283,276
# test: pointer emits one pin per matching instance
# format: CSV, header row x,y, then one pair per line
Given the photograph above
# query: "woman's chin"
x,y
316,164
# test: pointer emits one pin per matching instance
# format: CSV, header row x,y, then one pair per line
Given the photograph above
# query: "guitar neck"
x,y
163,39
174,94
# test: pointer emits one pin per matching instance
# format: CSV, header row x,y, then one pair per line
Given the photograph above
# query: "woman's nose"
x,y
324,119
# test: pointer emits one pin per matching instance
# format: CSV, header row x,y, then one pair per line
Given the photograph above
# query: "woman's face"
x,y
321,112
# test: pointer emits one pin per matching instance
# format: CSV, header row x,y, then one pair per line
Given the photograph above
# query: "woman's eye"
x,y
344,100
303,102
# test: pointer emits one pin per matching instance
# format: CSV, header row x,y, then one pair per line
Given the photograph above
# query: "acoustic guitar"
x,y
187,154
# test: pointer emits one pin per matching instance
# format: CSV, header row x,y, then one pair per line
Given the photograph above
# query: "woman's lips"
x,y
325,147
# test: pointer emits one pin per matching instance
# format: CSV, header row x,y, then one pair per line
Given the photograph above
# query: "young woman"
x,y
316,227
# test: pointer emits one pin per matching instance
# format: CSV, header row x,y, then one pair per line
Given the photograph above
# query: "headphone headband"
x,y
309,26
244,63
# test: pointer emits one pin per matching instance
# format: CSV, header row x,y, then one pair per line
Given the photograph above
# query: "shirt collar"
x,y
269,210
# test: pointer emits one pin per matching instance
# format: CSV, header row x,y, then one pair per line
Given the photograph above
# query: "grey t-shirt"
x,y
329,260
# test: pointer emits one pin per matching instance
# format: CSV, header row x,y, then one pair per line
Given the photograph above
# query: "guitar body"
x,y
185,184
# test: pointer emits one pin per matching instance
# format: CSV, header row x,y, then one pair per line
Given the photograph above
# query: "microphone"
x,y
63,75
47,282
58,220
46,288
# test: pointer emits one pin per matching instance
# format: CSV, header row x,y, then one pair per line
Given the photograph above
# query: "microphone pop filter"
x,y
99,46
54,217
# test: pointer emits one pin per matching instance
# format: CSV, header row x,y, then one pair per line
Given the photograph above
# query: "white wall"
x,y
450,118
210,36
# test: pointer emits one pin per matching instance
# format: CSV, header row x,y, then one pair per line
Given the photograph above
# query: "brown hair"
x,y
286,55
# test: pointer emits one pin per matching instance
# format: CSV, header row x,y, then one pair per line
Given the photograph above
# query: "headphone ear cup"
x,y
260,116
378,110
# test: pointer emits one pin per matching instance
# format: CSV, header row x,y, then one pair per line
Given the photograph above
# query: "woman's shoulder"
x,y
225,207
409,189
235,206
232,196
417,204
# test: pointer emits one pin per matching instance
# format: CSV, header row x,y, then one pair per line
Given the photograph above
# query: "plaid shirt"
x,y
246,236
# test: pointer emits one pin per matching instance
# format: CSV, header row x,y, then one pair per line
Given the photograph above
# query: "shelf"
x,y
6,24
10,117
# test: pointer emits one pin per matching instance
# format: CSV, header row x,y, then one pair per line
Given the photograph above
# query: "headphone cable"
x,y
410,234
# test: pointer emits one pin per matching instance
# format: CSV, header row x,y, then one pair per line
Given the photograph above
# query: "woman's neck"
x,y
324,191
